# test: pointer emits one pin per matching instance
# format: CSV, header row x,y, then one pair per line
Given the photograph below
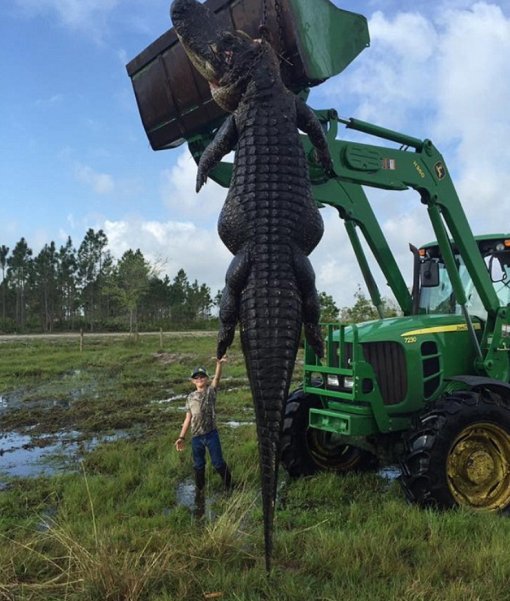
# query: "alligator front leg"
x,y
224,141
307,122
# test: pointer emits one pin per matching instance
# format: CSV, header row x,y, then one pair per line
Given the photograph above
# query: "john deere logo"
x,y
440,170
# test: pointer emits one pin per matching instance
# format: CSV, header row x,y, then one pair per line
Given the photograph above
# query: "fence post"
x,y
81,340
160,338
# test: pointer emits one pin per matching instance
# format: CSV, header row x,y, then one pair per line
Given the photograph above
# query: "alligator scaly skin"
x,y
270,223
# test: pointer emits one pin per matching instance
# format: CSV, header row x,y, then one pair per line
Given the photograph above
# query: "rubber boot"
x,y
226,476
199,493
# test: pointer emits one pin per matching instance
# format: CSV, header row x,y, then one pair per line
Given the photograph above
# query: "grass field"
x,y
115,528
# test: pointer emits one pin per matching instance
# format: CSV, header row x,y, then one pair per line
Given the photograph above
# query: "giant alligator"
x,y
269,221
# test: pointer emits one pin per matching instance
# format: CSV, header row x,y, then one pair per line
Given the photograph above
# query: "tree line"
x,y
69,289
72,288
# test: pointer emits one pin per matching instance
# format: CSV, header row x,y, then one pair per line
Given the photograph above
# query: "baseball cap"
x,y
199,371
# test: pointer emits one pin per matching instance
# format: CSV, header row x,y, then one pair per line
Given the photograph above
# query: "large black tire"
x,y
458,453
306,451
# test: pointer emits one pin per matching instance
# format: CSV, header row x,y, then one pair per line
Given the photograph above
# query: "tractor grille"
x,y
431,369
389,364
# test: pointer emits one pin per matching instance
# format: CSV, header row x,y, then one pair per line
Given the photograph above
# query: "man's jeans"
x,y
211,441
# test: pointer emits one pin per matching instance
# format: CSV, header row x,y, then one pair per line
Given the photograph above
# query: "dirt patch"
x,y
170,358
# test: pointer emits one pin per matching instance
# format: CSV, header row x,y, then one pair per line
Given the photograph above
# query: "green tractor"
x,y
429,389
415,389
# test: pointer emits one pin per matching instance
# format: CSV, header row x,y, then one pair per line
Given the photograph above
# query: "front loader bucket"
x,y
316,39
328,38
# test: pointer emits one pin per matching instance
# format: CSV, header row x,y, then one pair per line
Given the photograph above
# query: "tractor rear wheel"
x,y
306,451
458,453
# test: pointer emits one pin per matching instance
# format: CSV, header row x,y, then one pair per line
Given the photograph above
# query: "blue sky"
x,y
74,154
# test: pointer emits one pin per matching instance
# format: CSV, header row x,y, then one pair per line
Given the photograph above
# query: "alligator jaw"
x,y
222,57
198,30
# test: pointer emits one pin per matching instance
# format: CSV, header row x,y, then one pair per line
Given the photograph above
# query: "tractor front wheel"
x,y
458,453
306,451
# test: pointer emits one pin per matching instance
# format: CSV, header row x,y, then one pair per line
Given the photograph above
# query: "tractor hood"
x,y
402,329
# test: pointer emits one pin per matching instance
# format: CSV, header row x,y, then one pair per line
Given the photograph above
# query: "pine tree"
x,y
91,261
4,251
19,271
130,282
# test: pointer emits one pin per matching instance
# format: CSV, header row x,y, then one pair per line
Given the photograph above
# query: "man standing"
x,y
201,415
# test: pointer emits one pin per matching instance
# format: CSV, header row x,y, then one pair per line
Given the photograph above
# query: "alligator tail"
x,y
270,340
265,293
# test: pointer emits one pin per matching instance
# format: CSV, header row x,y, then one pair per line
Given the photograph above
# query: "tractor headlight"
x,y
339,383
348,383
333,381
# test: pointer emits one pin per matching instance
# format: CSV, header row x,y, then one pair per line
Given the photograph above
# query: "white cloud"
x,y
472,95
178,190
51,101
473,73
10,232
172,245
101,183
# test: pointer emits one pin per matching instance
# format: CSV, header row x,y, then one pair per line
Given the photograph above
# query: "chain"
x,y
263,23
279,21
264,29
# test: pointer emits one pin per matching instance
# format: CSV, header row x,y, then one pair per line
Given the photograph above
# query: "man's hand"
x,y
179,444
217,374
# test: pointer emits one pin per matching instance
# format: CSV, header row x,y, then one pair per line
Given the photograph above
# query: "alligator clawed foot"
x,y
201,180
225,339
314,338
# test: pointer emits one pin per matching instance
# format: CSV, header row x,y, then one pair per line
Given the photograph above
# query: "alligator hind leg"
x,y
305,278
228,319
229,305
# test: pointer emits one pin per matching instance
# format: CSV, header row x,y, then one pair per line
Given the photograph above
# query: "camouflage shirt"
x,y
202,406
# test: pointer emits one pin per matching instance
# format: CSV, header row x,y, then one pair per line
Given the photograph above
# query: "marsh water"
x,y
23,456
26,454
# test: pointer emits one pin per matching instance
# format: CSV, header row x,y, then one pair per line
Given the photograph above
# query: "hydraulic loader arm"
x,y
423,169
417,165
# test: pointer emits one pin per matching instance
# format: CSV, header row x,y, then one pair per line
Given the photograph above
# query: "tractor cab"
x,y
436,293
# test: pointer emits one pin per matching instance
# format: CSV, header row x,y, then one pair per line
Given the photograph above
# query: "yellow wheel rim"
x,y
330,451
478,467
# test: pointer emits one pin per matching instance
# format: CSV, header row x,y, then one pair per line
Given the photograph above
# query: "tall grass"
x,y
351,538
57,565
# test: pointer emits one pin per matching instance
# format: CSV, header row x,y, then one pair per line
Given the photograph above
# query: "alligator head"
x,y
226,59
